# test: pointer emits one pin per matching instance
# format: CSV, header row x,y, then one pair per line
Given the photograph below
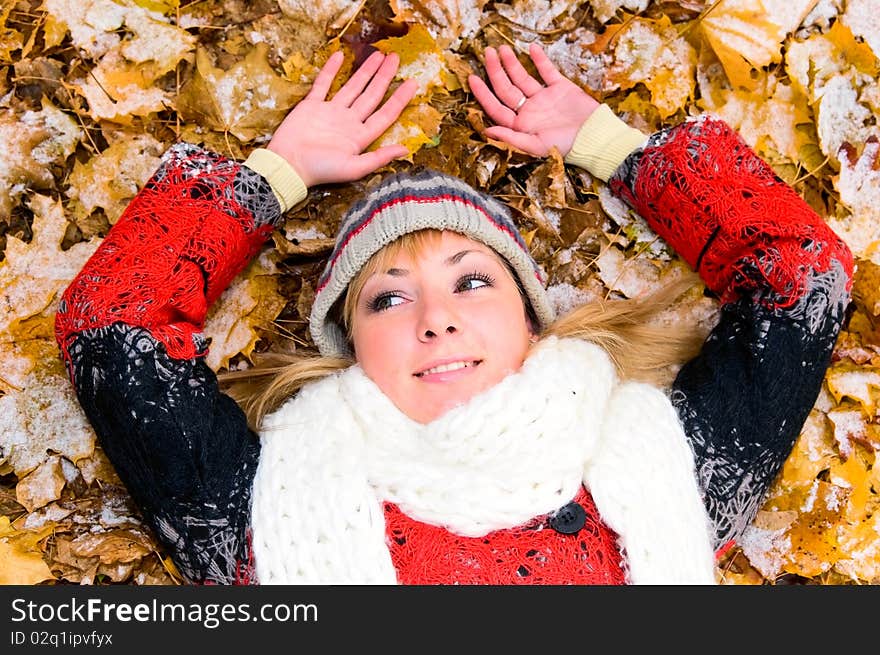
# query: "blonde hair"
x,y
640,349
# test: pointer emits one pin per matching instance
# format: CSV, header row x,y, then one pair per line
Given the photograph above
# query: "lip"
x,y
446,376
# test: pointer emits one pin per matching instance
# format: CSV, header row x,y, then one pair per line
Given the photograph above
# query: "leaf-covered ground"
x,y
93,91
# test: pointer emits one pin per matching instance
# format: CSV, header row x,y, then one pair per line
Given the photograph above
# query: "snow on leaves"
x,y
92,91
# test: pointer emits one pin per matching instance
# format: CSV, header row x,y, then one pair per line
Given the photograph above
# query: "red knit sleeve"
x,y
723,209
192,228
783,278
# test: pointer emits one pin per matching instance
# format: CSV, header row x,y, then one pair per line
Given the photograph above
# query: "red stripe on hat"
x,y
417,199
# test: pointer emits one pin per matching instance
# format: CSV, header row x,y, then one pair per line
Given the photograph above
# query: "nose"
x,y
437,318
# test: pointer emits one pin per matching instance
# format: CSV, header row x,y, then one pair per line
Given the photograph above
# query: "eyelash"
x,y
375,303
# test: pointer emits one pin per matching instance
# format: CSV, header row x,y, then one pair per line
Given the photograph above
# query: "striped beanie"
x,y
408,202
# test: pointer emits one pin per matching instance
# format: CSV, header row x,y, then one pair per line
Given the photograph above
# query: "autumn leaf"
x,y
20,553
33,142
249,304
248,100
112,178
748,34
449,23
420,59
652,53
10,39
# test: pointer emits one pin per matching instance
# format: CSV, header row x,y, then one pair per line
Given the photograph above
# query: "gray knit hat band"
x,y
402,204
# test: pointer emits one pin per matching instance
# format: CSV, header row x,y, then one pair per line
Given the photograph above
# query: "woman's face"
x,y
435,330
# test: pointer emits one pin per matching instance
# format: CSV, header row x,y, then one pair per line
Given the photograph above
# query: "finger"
x,y
324,78
370,161
526,142
517,72
367,101
493,107
359,79
548,72
504,89
382,119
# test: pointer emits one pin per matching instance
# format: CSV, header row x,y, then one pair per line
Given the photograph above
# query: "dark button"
x,y
568,519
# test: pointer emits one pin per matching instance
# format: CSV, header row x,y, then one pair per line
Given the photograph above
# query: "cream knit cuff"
x,y
286,183
603,142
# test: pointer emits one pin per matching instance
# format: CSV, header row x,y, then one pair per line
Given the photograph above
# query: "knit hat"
x,y
408,202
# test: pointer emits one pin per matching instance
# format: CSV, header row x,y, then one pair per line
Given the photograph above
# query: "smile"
x,y
446,368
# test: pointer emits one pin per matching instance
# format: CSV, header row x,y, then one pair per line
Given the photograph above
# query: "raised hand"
x,y
529,115
324,140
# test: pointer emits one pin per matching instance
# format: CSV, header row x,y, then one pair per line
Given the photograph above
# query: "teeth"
x,y
443,368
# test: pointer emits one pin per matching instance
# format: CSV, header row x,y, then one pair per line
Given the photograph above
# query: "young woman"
x,y
453,430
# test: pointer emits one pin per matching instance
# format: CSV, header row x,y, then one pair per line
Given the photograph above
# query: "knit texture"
x,y
332,456
603,142
405,203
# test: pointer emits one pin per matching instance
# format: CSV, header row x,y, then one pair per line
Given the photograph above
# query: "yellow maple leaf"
x,y
251,303
118,90
417,126
10,39
859,383
166,7
812,453
652,53
747,34
420,58
813,535
22,563
248,100
857,53
112,178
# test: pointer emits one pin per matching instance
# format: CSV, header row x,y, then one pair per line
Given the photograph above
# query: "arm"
x,y
129,325
782,276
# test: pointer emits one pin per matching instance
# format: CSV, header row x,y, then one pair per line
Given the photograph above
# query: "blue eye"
x,y
473,281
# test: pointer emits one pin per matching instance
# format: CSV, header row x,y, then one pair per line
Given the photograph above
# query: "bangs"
x,y
412,245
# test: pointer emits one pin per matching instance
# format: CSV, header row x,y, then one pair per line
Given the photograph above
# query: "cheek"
x,y
379,349
505,329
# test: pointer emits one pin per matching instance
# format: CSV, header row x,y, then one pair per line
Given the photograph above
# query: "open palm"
x,y
324,140
531,115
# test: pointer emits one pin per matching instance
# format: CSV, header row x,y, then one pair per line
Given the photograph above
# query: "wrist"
x,y
603,142
287,184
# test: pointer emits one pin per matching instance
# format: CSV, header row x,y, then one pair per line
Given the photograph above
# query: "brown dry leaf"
x,y
854,51
41,414
249,100
21,562
111,179
250,303
33,142
449,23
849,427
866,287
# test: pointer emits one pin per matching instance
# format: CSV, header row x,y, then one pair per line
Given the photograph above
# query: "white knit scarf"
x,y
332,454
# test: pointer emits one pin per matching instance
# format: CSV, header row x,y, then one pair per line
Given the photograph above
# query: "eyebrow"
x,y
450,261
